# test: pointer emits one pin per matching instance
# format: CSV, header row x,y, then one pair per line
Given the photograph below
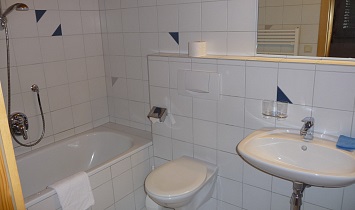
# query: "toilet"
x,y
182,184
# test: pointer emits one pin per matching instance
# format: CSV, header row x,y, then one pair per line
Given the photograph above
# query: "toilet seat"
x,y
176,178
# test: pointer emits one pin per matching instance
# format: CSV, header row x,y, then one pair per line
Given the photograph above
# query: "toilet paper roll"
x,y
197,49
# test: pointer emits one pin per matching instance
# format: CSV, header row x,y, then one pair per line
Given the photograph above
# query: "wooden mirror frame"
x,y
325,27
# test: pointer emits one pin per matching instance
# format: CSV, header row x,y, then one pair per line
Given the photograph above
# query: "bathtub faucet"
x,y
19,124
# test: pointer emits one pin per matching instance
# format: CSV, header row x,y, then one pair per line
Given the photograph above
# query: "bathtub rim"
x,y
140,141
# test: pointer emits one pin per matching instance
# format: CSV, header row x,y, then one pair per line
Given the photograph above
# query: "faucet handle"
x,y
308,119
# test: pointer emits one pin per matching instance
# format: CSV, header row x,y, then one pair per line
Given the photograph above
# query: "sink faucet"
x,y
307,128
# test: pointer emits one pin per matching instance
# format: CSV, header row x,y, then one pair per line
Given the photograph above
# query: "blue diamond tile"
x,y
58,31
282,97
175,36
39,14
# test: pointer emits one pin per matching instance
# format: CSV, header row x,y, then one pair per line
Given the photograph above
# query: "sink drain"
x,y
304,148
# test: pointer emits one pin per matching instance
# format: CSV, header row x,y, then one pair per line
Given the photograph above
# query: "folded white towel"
x,y
74,192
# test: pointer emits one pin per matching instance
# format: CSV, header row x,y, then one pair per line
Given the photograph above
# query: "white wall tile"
x,y
69,4
214,16
190,17
149,45
71,22
93,44
182,148
140,172
182,129
348,201
99,109
82,114
205,153
23,23
114,20
129,3
297,85
325,197
217,42
76,70
103,196
330,88
261,83
162,147
167,43
52,48
230,110
230,191
134,67
205,109
255,177
243,14
232,80
230,166
62,120
130,20
122,185
100,178
95,67
159,73
27,51
250,194
89,5
340,122
148,19
205,133
90,22
59,97
55,73
74,46
279,202
241,43
229,137
116,44
180,105
132,44
168,18
126,203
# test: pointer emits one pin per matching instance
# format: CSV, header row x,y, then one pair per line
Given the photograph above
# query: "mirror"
x,y
295,27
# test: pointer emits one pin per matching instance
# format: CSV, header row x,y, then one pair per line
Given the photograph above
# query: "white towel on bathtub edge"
x,y
74,192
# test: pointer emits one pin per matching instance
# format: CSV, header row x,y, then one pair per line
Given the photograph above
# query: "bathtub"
x,y
91,151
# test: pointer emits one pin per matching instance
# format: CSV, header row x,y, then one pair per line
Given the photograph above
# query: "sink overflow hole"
x,y
304,148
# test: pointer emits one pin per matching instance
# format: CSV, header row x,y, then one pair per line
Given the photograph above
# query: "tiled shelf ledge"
x,y
267,58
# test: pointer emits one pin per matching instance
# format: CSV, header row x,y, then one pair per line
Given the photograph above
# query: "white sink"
x,y
284,153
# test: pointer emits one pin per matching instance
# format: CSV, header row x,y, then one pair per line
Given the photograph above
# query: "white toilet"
x,y
182,184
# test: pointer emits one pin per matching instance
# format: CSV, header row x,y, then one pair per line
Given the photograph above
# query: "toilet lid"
x,y
176,178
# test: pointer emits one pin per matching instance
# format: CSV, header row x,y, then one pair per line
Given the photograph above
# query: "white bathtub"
x,y
91,151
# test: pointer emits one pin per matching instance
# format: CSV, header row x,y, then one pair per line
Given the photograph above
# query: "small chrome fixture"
x,y
157,114
307,129
19,124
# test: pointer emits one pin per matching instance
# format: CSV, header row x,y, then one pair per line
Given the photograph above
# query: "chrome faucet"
x,y
19,124
307,129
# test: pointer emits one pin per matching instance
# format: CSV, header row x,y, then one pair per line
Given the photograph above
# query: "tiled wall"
x,y
211,129
289,14
132,29
57,45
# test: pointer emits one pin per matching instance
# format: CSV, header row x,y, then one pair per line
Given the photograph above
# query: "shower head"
x,y
17,6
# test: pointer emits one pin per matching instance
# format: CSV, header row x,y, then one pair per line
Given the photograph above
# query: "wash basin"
x,y
284,153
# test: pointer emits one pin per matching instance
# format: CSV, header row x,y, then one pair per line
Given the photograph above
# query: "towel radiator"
x,y
279,38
